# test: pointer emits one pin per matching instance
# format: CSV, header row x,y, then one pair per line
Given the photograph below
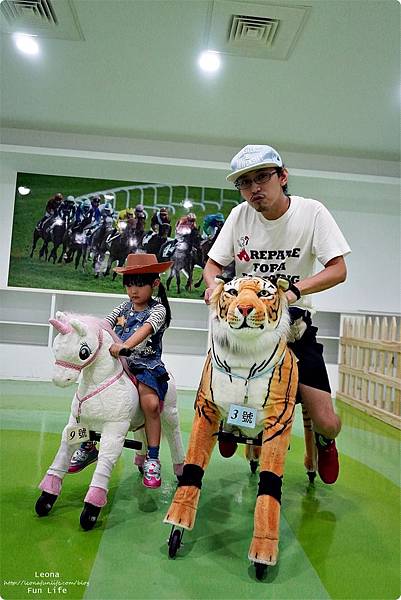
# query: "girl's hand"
x,y
115,349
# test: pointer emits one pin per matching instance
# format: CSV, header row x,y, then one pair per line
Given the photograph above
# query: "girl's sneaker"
x,y
151,473
83,456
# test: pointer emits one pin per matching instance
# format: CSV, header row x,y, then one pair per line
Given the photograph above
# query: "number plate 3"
x,y
242,416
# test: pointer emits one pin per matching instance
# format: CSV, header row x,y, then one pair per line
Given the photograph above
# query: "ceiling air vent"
x,y
255,29
28,10
252,31
45,18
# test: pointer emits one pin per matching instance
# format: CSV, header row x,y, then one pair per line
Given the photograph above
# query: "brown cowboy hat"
x,y
142,263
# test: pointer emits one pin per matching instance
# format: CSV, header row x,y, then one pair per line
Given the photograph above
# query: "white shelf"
x,y
25,323
25,312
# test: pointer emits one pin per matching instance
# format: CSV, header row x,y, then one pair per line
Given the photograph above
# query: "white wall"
x,y
366,206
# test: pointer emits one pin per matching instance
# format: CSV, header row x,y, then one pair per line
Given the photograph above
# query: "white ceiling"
x,y
135,75
128,101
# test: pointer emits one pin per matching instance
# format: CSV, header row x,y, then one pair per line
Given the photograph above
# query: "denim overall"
x,y
146,364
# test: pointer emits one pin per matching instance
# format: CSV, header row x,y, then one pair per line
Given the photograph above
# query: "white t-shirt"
x,y
288,246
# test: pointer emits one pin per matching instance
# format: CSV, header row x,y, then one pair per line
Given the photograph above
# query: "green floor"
x,y
338,541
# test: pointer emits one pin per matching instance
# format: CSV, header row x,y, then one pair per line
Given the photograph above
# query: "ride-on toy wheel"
x,y
260,570
44,503
311,476
174,541
253,465
89,516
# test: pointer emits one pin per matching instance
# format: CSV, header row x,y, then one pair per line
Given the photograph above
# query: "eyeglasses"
x,y
245,183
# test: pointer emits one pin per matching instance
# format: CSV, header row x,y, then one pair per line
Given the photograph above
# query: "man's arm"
x,y
334,272
211,270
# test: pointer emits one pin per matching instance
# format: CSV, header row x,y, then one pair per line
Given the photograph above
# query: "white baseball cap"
x,y
251,158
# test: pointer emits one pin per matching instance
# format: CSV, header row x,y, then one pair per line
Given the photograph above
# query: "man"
x,y
274,233
159,218
212,224
52,209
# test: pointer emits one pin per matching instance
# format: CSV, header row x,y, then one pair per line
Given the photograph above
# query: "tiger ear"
x,y
221,278
214,298
282,283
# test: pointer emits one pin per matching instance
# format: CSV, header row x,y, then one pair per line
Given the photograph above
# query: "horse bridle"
x,y
68,365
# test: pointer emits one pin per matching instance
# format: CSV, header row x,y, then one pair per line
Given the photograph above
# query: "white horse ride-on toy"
x,y
106,401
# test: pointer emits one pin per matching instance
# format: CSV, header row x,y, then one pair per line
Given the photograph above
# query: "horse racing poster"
x,y
69,233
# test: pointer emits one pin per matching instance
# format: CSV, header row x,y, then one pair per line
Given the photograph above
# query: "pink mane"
x,y
94,323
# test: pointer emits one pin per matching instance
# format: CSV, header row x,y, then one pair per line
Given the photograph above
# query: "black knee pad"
x,y
192,475
270,485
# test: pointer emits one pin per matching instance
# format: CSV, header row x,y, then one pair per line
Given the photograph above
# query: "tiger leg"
x,y
275,442
182,511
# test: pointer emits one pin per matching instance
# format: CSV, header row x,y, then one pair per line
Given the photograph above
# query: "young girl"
x,y
141,322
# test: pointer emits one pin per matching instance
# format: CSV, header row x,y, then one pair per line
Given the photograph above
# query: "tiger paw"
x,y
263,550
182,511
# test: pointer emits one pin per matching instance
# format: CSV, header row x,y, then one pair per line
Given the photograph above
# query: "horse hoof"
x,y
89,516
44,504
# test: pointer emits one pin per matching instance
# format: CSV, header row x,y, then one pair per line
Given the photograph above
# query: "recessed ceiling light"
x,y
24,191
187,203
26,43
209,61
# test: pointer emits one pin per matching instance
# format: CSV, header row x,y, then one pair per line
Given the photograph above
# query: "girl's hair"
x,y
148,279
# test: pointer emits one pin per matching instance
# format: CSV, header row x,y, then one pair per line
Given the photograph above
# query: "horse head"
x,y
76,346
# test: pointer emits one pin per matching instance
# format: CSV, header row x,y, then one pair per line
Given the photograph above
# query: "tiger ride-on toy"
x,y
249,375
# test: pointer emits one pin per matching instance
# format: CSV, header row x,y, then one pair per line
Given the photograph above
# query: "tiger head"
x,y
248,308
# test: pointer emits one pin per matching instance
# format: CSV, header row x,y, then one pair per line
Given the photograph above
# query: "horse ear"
x,y
79,327
60,316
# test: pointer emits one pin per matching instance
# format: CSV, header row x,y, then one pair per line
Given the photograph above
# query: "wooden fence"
x,y
370,366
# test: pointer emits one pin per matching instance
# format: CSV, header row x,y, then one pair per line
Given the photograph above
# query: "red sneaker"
x,y
327,459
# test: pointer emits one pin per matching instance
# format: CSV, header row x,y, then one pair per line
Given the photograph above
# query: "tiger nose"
x,y
245,309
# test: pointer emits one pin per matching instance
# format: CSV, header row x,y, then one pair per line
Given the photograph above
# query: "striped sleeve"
x,y
157,317
115,313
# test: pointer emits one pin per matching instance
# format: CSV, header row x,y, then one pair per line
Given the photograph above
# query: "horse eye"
x,y
84,352
232,292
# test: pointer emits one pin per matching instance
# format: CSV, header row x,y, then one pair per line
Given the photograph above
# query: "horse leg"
x,y
36,236
178,281
52,255
78,258
170,278
120,264
43,251
110,448
188,286
275,442
84,256
171,428
52,481
197,283
182,511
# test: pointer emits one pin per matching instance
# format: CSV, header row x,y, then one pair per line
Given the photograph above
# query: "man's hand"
x,y
208,293
291,297
115,349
